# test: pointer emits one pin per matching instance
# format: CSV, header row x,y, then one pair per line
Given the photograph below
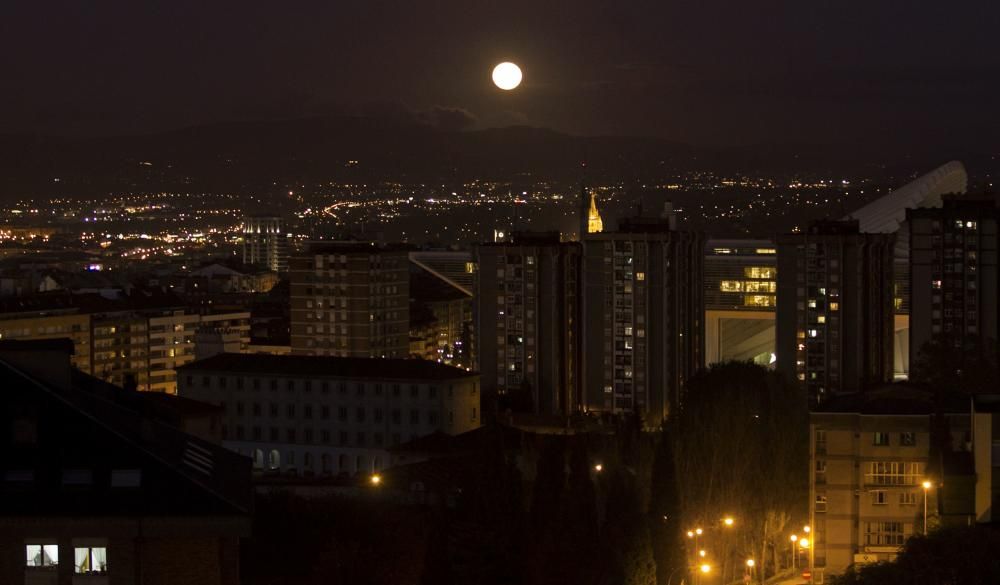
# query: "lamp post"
x,y
927,486
795,553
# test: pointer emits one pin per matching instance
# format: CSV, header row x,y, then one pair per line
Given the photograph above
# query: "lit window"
x,y
760,272
766,251
880,439
640,276
42,555
90,560
813,333
834,306
731,286
821,319
758,301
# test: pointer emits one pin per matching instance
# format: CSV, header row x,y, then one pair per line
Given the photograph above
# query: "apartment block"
x,y
528,320
869,458
350,300
319,415
643,317
835,327
953,272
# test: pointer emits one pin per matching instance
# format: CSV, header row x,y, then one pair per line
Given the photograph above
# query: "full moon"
x,y
507,76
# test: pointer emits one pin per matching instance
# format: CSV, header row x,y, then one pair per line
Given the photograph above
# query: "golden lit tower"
x,y
594,223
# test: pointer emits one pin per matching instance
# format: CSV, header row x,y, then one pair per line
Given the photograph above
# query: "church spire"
x,y
594,223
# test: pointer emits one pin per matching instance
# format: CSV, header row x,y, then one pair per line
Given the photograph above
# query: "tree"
x,y
625,536
742,449
966,555
665,522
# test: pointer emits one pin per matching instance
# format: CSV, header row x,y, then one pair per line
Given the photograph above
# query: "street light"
x,y
751,563
698,531
795,553
598,468
376,479
728,521
706,568
927,486
702,553
806,529
804,542
690,533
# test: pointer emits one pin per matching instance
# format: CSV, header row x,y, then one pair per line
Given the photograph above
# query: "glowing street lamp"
x,y
598,468
702,553
795,553
698,531
690,533
728,521
927,486
804,542
706,568
376,479
806,529
751,563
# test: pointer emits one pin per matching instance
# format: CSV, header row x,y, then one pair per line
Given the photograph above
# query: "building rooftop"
x,y
325,366
901,398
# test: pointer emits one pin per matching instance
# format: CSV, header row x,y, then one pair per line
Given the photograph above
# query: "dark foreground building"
x,y
100,486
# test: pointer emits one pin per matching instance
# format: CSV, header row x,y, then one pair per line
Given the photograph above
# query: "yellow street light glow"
x,y
706,568
728,521
598,468
751,563
806,529
702,553
794,538
690,533
926,484
697,531
804,543
376,479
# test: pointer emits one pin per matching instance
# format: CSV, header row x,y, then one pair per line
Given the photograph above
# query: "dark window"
x,y
239,383
414,391
378,439
324,412
256,409
361,415
256,383
377,415
274,433
309,435
361,439
396,419
880,439
325,433
290,385
432,392
342,414
239,432
378,389
274,384
414,417
307,385
274,409
222,381
395,390
290,410
256,433
360,389
343,438
324,387
290,434
239,407
307,411
908,439
190,380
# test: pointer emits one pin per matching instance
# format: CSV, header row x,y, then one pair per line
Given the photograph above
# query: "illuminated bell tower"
x,y
590,218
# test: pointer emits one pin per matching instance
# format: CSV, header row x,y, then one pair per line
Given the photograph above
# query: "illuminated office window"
x,y
760,272
731,286
758,301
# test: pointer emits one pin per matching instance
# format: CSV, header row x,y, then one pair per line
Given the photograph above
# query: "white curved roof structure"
x,y
886,214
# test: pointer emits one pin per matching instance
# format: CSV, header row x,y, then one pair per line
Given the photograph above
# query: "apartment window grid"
x,y
894,473
887,533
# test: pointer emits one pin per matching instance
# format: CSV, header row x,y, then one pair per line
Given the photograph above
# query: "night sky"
x,y
702,72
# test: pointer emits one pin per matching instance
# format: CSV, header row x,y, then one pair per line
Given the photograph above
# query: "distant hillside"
x,y
245,156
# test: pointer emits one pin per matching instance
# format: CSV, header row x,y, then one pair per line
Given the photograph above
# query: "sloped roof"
x,y
327,366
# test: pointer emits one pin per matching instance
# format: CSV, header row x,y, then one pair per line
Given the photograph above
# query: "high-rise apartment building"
x,y
265,243
351,299
835,308
643,317
527,320
953,272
